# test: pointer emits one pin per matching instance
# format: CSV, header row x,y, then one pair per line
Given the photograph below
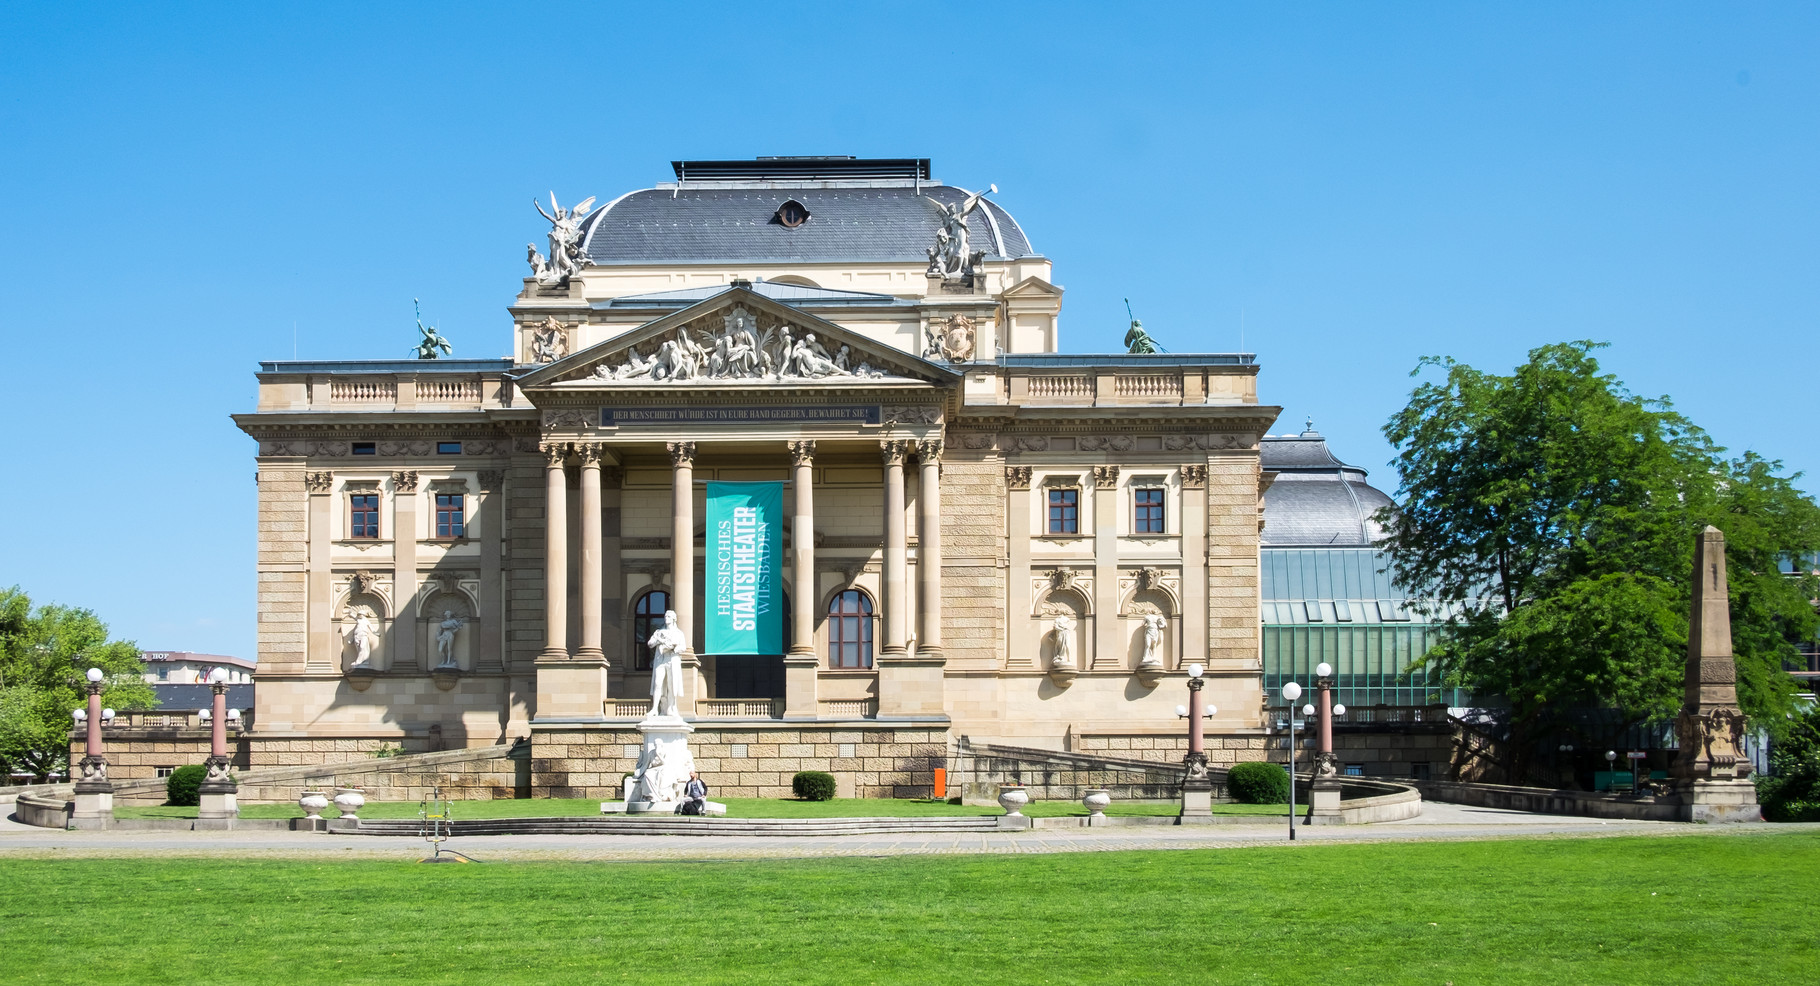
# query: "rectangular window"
x,y
1342,611
1064,511
365,448
165,771
1355,770
363,515
1149,506
448,515
1419,771
448,448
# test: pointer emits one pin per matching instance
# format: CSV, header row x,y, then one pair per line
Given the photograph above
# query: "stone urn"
x,y
349,800
312,803
1013,799
1096,800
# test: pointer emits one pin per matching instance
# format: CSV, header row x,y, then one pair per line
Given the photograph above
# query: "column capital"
x,y
405,481
802,453
554,453
590,453
894,451
681,453
319,482
929,450
1105,477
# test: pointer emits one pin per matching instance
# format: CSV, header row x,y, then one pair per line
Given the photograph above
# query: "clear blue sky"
x,y
185,189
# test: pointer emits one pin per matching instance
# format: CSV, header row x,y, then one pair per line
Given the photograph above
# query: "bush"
x,y
184,785
1258,783
813,785
1792,791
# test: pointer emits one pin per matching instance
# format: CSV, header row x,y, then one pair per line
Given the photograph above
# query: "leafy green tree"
x,y
1552,514
44,655
1791,792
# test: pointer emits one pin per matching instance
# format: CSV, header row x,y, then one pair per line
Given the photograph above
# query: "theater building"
x,y
820,409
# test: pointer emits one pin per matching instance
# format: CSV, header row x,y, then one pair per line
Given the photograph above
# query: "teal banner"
x,y
745,606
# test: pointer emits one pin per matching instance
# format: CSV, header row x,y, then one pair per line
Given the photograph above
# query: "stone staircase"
x,y
683,825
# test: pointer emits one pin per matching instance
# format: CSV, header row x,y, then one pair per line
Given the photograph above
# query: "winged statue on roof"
x,y
566,229
952,255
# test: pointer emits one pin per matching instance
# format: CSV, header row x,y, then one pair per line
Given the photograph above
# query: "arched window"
x,y
647,616
850,630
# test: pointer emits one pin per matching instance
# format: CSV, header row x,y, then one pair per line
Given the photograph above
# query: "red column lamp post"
x,y
1197,784
1324,789
219,793
94,792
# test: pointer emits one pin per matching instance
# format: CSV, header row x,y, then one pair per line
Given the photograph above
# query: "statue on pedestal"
x,y
951,255
566,256
667,645
1063,657
360,637
1154,626
445,637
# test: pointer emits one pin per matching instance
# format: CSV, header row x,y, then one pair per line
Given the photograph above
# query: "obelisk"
x,y
1712,771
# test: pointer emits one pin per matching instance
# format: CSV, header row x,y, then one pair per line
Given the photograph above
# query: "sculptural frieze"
x,y
733,346
566,254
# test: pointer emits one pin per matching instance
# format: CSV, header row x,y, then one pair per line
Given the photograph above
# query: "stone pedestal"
x,y
1197,801
219,805
1720,801
1324,802
94,805
664,763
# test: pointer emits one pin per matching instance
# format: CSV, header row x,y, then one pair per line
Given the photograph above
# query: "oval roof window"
x,y
792,214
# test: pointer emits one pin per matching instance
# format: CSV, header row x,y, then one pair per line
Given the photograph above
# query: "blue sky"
x,y
187,189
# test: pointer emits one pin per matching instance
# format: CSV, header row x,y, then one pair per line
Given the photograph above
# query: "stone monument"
x,y
1712,772
664,760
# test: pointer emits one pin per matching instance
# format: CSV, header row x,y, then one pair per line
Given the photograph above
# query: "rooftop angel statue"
x,y
432,345
952,255
565,241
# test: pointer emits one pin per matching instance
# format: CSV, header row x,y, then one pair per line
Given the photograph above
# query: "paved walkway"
x,y
1437,822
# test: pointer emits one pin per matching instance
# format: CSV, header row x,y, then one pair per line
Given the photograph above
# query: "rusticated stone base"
x,y
1720,801
747,759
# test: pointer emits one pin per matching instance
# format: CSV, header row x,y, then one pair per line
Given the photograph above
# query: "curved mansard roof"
x,y
732,221
1316,499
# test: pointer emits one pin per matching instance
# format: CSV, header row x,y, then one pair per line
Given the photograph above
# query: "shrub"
x,y
184,785
1258,783
813,785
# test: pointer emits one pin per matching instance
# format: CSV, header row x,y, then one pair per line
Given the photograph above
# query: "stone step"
x,y
675,825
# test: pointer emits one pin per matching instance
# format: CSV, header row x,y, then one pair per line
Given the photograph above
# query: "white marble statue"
x,y
667,645
1064,642
566,256
664,765
445,637
1154,626
360,637
952,255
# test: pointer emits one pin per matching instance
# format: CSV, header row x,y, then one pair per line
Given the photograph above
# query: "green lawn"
x,y
1694,909
736,808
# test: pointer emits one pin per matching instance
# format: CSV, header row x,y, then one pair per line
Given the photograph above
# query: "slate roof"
x,y
1316,499
789,294
862,222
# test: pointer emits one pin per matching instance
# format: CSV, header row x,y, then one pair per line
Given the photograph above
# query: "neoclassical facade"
x,y
983,536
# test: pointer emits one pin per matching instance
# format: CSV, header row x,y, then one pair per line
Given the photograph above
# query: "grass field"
x,y
736,808
1694,909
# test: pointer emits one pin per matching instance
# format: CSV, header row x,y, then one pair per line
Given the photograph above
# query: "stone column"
x,y
324,652
929,549
682,564
405,631
590,599
896,626
94,794
1109,642
801,666
555,554
219,794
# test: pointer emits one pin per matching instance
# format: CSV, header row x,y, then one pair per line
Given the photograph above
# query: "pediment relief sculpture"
x,y
737,344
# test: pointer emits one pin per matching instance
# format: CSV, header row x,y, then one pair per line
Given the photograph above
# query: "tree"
x,y
1551,513
44,654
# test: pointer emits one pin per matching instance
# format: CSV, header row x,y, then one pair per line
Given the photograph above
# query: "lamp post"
x,y
1291,692
94,792
219,793
1324,789
1197,786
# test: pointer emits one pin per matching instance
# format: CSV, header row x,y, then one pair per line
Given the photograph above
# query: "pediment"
x,y
737,337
